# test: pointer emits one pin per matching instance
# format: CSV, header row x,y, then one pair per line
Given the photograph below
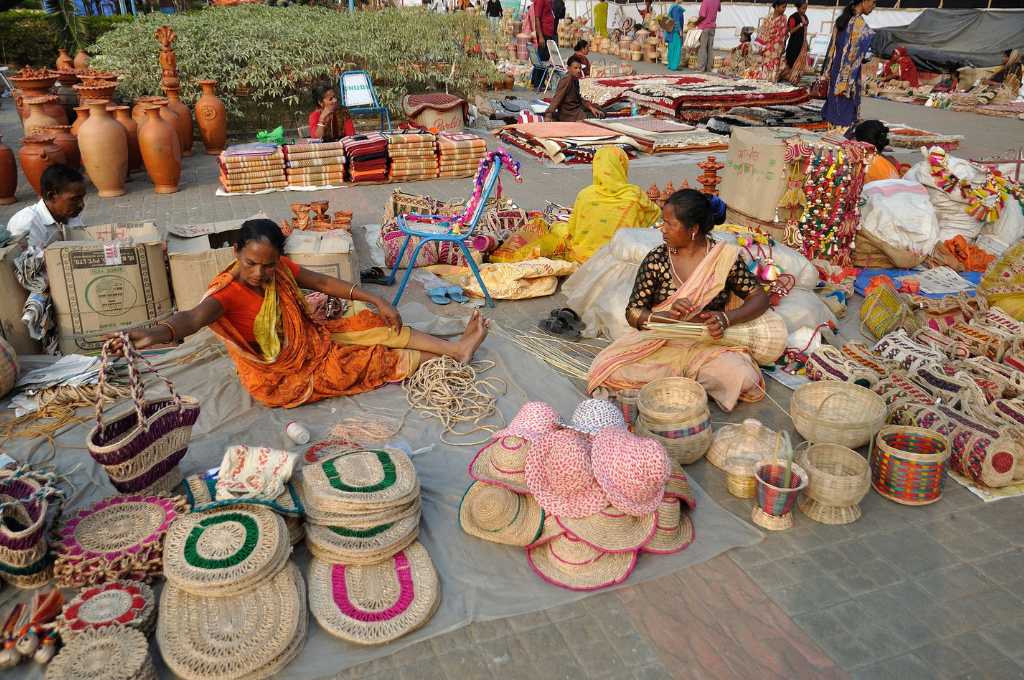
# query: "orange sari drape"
x,y
311,364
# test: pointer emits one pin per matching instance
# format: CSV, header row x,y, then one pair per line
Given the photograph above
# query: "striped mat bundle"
x,y
246,168
367,157
313,163
460,153
413,156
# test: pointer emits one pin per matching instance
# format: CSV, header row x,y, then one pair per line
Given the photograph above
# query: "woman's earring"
x,y
693,235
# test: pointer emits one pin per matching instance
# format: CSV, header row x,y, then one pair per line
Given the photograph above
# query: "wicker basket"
x,y
839,480
674,411
833,412
908,464
774,504
686,441
750,436
626,400
8,367
884,310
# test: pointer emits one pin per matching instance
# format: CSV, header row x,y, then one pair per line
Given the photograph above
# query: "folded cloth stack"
x,y
460,153
370,580
584,499
367,157
413,156
254,167
315,164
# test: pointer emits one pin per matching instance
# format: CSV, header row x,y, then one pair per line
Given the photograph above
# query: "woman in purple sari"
x,y
851,40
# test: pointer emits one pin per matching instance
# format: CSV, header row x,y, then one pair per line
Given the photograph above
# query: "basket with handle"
x,y
839,480
908,464
774,500
140,450
674,411
832,412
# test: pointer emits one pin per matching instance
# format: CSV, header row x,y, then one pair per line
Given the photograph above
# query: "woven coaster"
x,y
226,551
359,480
361,546
200,492
252,635
612,530
118,603
499,515
373,605
113,653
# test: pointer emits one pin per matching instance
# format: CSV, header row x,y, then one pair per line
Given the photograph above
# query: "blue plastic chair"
x,y
359,96
446,223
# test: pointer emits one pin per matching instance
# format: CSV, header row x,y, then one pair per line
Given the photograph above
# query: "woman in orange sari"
x,y
689,277
284,356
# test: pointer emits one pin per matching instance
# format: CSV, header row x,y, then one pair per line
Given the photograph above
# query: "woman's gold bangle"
x,y
174,334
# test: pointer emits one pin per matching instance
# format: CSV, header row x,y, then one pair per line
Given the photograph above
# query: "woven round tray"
x,y
361,546
113,653
118,603
373,605
252,635
833,412
362,480
226,551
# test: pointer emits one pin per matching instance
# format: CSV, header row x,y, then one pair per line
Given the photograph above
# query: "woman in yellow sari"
x,y
689,277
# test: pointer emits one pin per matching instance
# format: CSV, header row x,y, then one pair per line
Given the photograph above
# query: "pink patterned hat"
x,y
534,420
559,475
632,470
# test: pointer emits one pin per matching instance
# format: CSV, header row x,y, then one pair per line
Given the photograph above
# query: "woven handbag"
x,y
885,310
140,450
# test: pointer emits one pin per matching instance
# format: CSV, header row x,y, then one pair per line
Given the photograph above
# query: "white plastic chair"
x,y
556,66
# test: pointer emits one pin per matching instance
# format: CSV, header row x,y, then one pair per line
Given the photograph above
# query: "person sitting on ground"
x,y
581,52
690,277
876,133
63,200
568,105
329,122
740,58
900,67
1010,70
283,356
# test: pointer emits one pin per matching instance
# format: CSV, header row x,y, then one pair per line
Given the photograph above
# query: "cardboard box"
x,y
328,252
12,302
100,287
197,253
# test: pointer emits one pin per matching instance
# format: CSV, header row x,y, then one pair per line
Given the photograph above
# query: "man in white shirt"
x,y
63,199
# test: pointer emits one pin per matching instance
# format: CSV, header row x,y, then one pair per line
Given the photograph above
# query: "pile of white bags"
x,y
899,216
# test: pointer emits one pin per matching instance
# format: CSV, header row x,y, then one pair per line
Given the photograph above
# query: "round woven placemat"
x,y
252,635
118,524
373,605
365,519
227,551
361,546
124,603
363,479
113,653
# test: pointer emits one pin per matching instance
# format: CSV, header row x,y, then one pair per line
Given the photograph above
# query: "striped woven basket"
x,y
908,464
773,508
674,411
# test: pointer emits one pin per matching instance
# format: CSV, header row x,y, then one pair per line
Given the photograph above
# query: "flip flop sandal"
x,y
374,275
569,317
438,295
455,293
559,328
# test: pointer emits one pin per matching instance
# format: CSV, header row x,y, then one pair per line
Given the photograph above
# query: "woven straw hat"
x,y
359,480
534,420
376,604
593,415
632,470
612,530
570,563
502,461
252,635
226,551
678,486
362,546
674,530
496,514
549,531
113,653
118,603
560,477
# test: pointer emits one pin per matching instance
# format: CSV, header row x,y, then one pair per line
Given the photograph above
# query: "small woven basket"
x,y
839,480
686,441
908,464
674,411
774,508
626,400
831,412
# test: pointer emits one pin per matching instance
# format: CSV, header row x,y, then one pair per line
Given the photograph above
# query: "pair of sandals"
x,y
442,295
564,323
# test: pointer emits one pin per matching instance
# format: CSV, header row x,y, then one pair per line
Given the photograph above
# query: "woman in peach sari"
x,y
771,37
689,277
284,356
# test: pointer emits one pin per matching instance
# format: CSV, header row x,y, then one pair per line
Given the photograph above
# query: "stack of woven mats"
x,y
367,157
230,564
413,155
370,579
315,164
460,153
246,168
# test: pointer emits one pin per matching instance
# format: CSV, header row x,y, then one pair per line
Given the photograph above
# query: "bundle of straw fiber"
x,y
765,336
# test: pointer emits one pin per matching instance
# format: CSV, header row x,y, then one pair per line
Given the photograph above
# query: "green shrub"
x,y
31,37
273,55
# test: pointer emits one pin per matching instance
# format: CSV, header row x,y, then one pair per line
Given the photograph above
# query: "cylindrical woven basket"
x,y
839,480
774,504
685,441
908,464
831,412
674,411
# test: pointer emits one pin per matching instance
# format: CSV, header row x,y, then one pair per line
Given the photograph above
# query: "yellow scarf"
x,y
267,325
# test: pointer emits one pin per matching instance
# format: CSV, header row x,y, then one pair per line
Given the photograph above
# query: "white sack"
x,y
900,213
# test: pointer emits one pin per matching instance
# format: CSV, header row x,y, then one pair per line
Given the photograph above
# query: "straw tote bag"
x,y
141,449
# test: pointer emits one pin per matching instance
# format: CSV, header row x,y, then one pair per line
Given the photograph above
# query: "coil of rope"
x,y
453,392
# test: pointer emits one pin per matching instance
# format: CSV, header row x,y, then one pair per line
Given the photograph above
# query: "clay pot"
x,y
103,143
67,142
166,114
81,60
161,151
66,93
212,118
122,116
81,114
98,90
39,116
8,175
34,86
64,60
184,123
37,153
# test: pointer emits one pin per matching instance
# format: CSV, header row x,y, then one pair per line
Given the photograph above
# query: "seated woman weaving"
x,y
284,356
688,277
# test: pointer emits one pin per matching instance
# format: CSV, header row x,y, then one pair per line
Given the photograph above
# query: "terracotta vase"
x,y
212,118
38,118
67,142
81,114
103,143
8,175
122,116
81,60
34,85
184,124
161,151
168,115
64,60
37,153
